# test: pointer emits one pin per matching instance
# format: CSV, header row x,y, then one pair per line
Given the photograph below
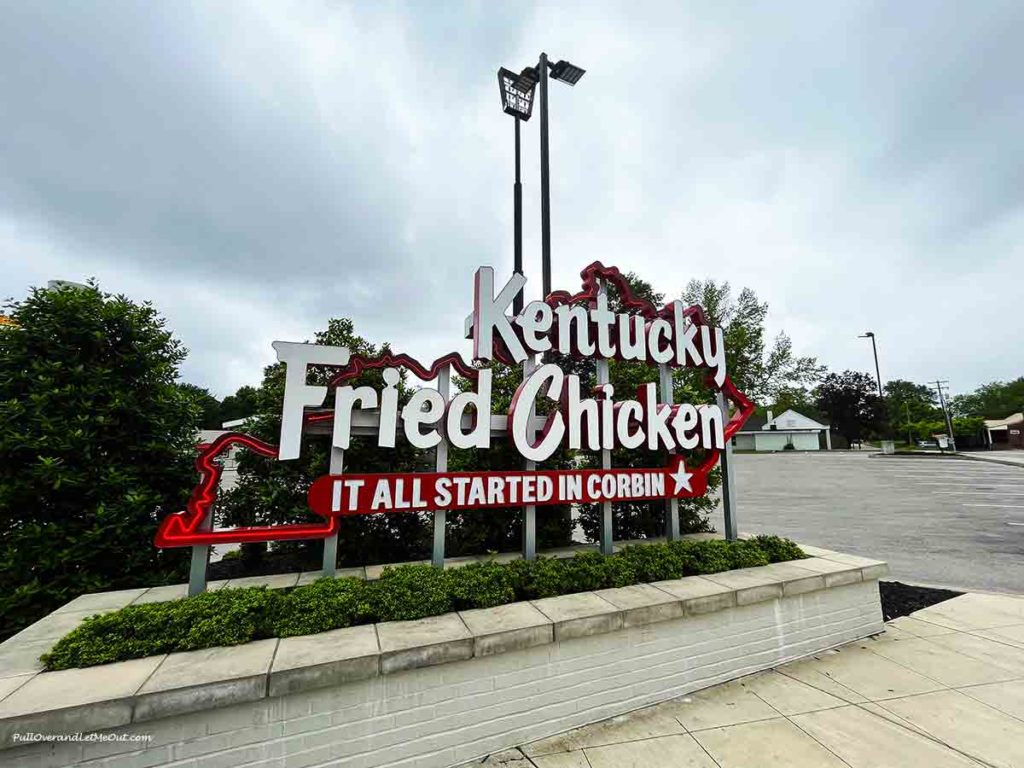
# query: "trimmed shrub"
x,y
235,616
777,549
324,605
407,592
585,572
654,562
482,585
543,577
225,617
746,554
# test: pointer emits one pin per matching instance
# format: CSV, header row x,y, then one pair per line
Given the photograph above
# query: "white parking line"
x,y
979,493
1004,506
979,485
957,474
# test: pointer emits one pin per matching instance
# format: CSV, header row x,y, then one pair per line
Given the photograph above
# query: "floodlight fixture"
x,y
527,79
567,72
514,100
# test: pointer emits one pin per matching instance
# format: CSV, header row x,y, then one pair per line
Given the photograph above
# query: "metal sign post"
x,y
330,564
197,571
672,506
444,377
607,533
530,510
728,479
200,561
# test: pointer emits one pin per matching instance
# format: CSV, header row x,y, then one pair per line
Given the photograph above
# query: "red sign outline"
x,y
185,529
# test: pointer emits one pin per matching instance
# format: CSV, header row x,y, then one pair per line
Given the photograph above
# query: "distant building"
x,y
789,428
1006,433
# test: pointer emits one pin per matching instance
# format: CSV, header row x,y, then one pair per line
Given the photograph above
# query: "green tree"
x,y
96,442
207,404
799,399
909,403
850,400
240,405
761,370
995,400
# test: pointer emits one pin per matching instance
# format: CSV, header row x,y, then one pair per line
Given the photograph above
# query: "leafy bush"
x,y
703,556
482,585
407,592
234,616
95,439
777,549
654,562
324,605
225,617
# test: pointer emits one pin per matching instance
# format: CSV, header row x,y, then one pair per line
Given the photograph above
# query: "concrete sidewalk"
x,y
944,687
1010,458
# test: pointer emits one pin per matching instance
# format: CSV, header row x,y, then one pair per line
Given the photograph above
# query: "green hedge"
x,y
235,616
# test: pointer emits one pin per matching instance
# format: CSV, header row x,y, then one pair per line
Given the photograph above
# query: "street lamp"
x,y
517,100
569,74
874,348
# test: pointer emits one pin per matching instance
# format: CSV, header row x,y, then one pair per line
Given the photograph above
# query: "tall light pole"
x,y
874,348
516,100
569,74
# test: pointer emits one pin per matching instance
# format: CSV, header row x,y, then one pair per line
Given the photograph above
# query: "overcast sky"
x,y
255,168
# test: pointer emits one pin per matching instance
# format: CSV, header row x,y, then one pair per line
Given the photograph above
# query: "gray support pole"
x,y
330,564
607,543
545,188
517,215
530,510
441,465
672,505
200,558
728,479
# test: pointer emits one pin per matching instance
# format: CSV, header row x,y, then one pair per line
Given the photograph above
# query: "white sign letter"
x,y
297,393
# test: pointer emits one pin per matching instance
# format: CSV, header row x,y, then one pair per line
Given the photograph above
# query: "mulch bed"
x,y
899,599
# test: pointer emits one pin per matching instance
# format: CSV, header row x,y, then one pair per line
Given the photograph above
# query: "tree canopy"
x,y
761,369
850,400
96,443
995,400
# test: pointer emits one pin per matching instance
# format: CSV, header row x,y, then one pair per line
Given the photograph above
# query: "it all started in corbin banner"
x,y
582,326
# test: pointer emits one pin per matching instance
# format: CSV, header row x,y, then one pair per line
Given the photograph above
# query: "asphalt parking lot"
x,y
948,522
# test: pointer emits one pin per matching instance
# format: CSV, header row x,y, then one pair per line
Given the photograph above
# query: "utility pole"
x,y
945,411
910,434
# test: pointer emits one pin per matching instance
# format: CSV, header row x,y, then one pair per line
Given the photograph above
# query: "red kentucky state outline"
x,y
189,528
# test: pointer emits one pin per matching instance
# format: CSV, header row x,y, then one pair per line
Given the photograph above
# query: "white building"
x,y
775,433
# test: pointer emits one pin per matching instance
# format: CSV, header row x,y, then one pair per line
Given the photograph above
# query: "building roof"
x,y
787,421
754,424
1013,418
790,420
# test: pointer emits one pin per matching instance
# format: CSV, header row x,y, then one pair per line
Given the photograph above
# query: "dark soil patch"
x,y
269,563
899,599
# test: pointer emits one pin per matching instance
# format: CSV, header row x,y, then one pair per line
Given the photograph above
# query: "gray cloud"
x,y
256,168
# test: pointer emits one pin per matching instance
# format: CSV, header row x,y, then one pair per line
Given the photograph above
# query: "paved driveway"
x,y
936,521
